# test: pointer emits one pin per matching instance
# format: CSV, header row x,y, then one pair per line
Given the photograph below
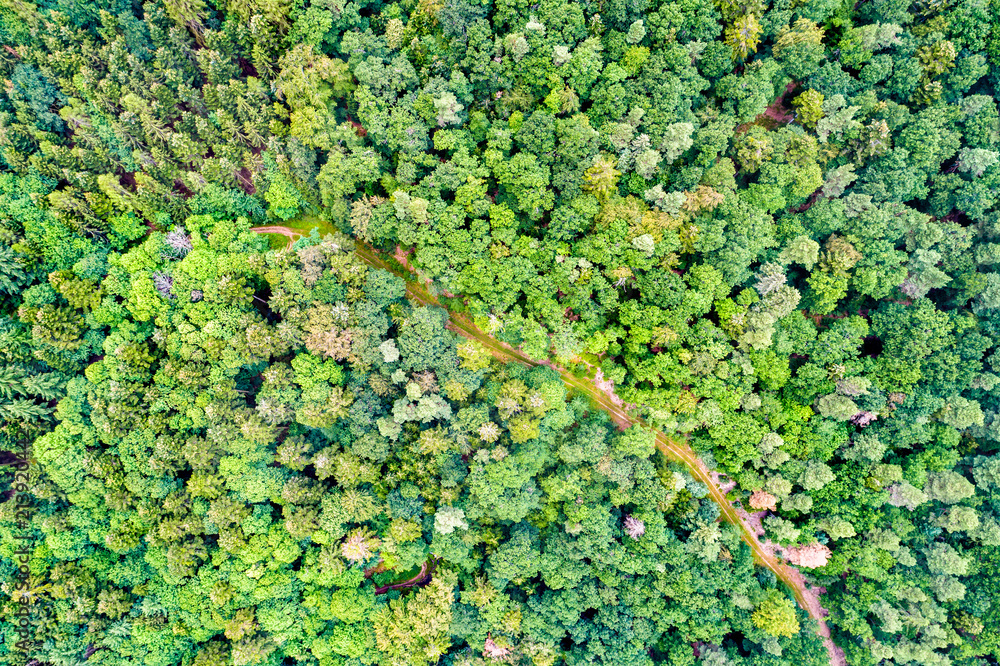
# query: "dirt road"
x,y
604,397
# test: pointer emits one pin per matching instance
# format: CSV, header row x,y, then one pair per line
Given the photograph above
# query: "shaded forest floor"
x,y
601,393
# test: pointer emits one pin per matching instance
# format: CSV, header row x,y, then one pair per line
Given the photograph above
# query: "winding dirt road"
x,y
808,598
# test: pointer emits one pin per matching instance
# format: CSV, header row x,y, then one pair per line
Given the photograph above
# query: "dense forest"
x,y
349,332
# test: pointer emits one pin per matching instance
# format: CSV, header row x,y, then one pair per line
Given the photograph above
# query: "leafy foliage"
x,y
772,227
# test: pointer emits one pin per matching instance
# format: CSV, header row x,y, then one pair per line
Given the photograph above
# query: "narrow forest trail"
x,y
679,451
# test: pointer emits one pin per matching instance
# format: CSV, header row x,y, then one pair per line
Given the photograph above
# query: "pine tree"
x,y
10,380
24,410
12,274
46,386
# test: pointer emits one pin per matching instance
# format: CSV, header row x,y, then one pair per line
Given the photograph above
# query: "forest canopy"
x,y
468,332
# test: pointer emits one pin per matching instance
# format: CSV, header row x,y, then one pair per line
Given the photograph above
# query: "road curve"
x,y
678,451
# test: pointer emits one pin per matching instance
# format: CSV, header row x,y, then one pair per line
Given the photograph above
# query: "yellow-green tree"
x,y
809,106
413,631
602,177
776,616
743,36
